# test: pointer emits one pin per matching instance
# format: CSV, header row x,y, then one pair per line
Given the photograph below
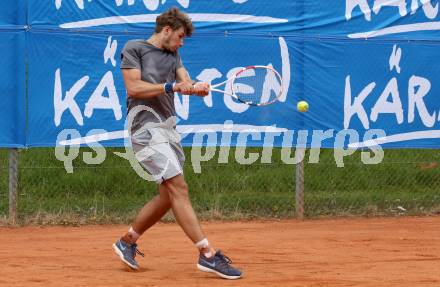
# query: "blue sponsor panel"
x,y
357,91
12,71
357,88
13,14
74,83
372,85
81,88
401,19
352,19
215,59
12,85
139,14
65,70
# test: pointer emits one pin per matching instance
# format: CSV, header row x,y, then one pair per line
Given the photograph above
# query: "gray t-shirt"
x,y
157,67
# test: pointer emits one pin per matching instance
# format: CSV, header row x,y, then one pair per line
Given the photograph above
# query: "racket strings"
x,y
257,86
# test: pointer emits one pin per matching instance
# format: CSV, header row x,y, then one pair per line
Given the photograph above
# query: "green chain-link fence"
x,y
405,182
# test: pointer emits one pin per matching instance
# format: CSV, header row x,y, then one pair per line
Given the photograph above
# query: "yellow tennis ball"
x,y
302,106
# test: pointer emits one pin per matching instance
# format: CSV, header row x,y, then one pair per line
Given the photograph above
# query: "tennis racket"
x,y
253,85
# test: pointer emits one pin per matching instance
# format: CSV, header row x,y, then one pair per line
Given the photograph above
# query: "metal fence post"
x,y
13,184
299,183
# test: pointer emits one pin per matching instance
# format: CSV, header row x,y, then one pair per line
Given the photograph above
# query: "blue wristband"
x,y
168,88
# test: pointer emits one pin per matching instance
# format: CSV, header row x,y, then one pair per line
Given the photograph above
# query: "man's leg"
x,y
152,212
182,208
209,259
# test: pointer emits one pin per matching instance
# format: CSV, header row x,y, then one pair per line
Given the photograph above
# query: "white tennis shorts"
x,y
159,153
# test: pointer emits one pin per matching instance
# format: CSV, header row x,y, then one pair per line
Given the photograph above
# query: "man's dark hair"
x,y
175,19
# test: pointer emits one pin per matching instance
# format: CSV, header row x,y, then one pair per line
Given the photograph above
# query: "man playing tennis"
x,y
152,71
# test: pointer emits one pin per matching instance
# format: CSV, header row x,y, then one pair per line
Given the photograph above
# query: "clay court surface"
x,y
343,252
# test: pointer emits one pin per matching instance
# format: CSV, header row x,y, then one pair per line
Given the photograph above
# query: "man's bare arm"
x,y
183,76
199,88
138,89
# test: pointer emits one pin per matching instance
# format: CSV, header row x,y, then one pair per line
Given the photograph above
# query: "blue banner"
x,y
12,71
77,87
366,68
13,14
372,85
397,19
122,15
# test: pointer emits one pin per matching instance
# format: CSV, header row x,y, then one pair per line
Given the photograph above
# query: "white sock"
x,y
134,234
204,244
